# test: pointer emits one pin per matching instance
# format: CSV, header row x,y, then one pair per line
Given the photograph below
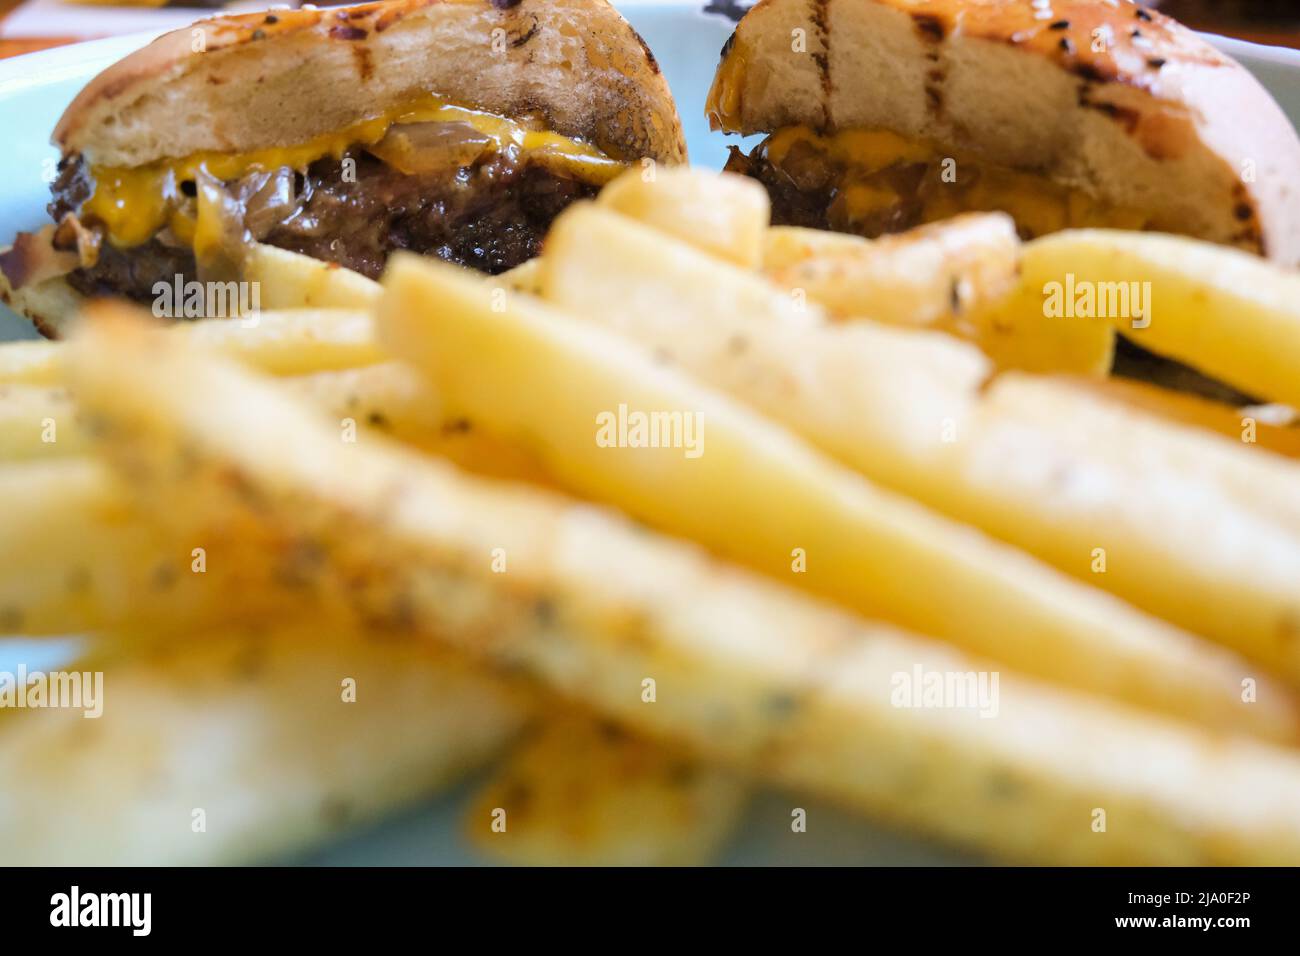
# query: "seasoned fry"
x,y
1226,313
746,671
38,421
393,399
759,496
292,342
77,554
1151,496
725,215
582,792
163,775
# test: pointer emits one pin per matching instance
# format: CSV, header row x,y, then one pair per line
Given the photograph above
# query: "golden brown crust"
x,y
171,50
577,61
1138,45
1123,102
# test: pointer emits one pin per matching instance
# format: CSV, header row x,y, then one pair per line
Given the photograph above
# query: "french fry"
x,y
290,342
38,421
241,745
30,362
290,280
1246,425
787,247
523,277
958,276
754,493
899,393
111,577
1193,527
917,278
77,554
394,399
1226,313
1104,482
581,792
725,215
1016,334
746,671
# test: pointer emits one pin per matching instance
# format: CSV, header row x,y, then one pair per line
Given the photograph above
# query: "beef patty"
x,y
808,194
490,216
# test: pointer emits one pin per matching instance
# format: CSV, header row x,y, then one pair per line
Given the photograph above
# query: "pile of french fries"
x,y
333,560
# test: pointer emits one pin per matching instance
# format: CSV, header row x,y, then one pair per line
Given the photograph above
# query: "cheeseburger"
x,y
880,115
453,128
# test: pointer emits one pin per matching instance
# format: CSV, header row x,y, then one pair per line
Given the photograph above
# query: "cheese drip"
x,y
135,203
857,163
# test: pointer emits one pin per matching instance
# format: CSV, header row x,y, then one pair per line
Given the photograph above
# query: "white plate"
x,y
34,90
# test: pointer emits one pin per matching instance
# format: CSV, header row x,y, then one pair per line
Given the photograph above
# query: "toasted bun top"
x,y
282,77
1100,95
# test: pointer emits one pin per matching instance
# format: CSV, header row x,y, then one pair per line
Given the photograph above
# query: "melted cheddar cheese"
x,y
134,203
857,163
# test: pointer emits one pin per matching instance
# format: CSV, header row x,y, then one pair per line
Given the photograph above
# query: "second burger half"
x,y
885,114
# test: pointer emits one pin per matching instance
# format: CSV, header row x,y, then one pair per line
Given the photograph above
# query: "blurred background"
x,y
28,25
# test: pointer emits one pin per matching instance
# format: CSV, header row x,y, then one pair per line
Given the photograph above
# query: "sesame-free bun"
x,y
1100,96
238,83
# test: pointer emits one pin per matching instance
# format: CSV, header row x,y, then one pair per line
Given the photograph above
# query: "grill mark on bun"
x,y
929,26
1247,213
365,66
820,10
386,20
505,4
1128,118
935,79
528,35
348,32
932,31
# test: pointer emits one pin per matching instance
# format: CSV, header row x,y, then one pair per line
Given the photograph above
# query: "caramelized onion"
x,y
270,200
414,148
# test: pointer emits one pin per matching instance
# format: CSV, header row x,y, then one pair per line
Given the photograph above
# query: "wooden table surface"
x,y
1276,37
